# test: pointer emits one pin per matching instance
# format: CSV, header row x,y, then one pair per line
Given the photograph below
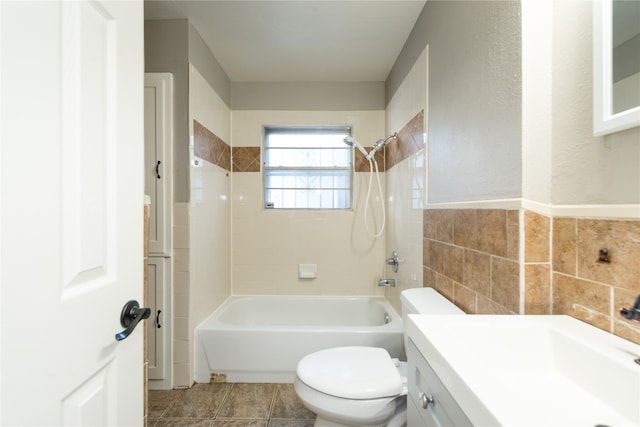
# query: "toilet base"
x,y
399,419
321,422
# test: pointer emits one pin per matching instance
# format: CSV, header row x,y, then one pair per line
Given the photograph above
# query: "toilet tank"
x,y
425,301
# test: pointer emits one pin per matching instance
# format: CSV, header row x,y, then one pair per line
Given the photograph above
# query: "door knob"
x,y
131,315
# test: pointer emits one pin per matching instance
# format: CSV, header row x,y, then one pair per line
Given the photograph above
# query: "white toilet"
x,y
363,386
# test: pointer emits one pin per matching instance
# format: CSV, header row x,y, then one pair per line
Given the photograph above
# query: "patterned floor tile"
x,y
249,401
287,405
199,401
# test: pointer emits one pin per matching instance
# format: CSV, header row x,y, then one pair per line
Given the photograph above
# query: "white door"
x,y
71,211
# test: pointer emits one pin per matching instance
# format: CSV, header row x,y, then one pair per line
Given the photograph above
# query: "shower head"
x,y
353,143
379,145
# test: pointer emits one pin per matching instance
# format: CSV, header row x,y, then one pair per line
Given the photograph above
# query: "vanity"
x,y
510,370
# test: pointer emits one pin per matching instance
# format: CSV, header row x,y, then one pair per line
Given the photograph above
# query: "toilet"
x,y
363,386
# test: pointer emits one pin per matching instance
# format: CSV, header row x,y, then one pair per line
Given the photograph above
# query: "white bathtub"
x,y
262,338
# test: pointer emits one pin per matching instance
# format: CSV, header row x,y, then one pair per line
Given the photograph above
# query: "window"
x,y
307,168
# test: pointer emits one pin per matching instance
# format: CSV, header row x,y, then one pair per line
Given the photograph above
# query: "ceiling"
x,y
298,41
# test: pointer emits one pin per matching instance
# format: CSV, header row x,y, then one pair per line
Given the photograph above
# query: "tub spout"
x,y
387,282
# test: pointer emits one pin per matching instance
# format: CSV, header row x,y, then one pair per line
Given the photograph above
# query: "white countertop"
x,y
532,370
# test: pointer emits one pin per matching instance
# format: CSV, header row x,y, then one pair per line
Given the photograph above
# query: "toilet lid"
x,y
351,373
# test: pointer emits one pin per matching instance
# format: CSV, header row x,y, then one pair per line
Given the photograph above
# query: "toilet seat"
x,y
336,411
357,373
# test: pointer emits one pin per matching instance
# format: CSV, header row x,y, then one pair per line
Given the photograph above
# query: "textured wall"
x,y
586,169
474,97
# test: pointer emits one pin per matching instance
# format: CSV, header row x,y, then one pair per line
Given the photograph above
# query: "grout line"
x,y
224,400
273,402
174,400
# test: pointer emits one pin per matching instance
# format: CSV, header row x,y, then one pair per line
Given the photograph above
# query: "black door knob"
x,y
130,316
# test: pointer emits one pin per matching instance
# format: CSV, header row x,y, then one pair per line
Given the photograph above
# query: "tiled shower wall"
x,y
268,244
181,276
472,257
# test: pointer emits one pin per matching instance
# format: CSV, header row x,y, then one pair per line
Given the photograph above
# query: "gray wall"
x,y
165,50
586,170
475,97
202,58
170,45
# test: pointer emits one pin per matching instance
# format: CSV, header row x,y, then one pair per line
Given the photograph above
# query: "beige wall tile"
x,y
181,260
181,375
571,282
537,294
594,318
622,239
426,252
513,234
626,331
444,285
181,328
447,259
181,237
492,231
181,214
429,224
571,294
464,298
444,226
487,306
336,241
429,278
565,245
536,234
477,271
505,283
181,282
464,228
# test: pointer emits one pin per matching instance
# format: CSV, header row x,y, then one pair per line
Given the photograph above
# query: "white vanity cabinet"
x,y
429,402
517,371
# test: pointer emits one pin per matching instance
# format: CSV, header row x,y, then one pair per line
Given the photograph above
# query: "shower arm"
x,y
379,145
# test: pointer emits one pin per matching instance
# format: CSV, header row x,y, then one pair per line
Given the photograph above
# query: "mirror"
x,y
616,65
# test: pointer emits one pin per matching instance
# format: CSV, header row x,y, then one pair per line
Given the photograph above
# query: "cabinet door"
x,y
157,329
157,159
430,403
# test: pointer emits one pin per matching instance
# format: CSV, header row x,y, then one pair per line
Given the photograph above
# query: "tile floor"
x,y
228,405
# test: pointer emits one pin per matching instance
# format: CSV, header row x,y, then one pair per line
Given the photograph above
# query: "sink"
x,y
515,370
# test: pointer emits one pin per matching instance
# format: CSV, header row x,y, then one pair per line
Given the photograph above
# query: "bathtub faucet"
x,y
632,313
393,261
387,282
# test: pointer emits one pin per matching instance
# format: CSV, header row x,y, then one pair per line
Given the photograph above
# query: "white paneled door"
x,y
71,211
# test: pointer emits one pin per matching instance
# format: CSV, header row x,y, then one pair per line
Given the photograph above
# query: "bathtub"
x,y
262,338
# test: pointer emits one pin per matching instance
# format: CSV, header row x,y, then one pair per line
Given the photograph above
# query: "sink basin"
x,y
532,370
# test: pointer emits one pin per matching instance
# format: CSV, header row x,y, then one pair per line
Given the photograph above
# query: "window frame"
x,y
309,129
